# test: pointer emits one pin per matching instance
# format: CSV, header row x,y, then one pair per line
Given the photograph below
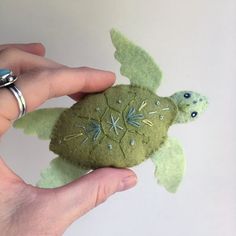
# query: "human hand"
x,y
25,209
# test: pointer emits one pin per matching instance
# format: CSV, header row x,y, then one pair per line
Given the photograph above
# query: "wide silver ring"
x,y
7,80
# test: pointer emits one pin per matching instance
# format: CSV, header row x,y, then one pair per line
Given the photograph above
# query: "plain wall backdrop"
x,y
194,43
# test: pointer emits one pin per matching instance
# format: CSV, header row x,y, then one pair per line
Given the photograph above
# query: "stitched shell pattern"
x,y
120,127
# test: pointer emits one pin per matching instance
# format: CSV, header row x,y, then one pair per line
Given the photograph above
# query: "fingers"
x,y
22,61
34,48
82,195
39,86
40,79
25,208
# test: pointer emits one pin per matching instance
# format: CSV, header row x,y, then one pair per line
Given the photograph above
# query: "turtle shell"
x,y
120,127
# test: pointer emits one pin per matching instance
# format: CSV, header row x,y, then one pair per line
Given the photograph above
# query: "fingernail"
x,y
127,183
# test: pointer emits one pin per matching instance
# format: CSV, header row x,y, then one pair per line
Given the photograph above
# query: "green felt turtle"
x,y
119,127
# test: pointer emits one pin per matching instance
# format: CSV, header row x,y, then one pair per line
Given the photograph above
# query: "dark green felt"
x,y
75,136
84,137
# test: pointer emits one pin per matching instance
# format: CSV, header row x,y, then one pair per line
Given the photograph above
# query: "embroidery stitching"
x,y
95,129
114,124
144,103
147,122
133,119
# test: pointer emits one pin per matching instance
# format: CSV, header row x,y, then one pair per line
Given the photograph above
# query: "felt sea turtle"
x,y
119,127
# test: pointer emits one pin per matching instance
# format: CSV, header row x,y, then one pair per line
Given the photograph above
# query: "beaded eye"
x,y
187,95
194,114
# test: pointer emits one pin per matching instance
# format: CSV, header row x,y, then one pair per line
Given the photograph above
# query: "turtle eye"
x,y
194,114
187,95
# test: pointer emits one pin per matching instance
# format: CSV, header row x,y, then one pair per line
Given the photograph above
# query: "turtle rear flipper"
x,y
39,122
59,173
170,164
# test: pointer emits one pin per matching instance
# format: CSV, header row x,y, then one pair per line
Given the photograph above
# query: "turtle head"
x,y
190,105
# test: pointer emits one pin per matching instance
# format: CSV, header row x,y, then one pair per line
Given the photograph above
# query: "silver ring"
x,y
7,80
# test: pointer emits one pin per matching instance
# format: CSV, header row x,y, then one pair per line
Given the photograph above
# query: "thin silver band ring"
x,y
7,80
20,99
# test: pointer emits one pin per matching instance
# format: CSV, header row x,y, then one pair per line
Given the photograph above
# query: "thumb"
x,y
80,196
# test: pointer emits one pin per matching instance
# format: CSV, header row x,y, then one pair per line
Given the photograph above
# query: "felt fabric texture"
x,y
39,122
136,64
120,127
59,173
190,105
170,164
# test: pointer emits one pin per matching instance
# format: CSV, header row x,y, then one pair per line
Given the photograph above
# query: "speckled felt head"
x,y
190,105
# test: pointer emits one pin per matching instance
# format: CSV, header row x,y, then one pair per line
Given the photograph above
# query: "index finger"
x,y
34,48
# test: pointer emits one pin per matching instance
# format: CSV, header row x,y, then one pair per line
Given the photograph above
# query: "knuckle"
x,y
8,56
9,52
50,77
45,75
103,192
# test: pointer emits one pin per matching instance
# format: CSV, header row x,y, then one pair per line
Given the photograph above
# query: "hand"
x,y
25,209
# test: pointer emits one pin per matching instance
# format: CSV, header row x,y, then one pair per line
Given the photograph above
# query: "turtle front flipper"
x,y
136,64
59,173
39,122
170,164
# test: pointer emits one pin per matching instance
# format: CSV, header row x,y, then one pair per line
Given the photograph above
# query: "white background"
x,y
194,42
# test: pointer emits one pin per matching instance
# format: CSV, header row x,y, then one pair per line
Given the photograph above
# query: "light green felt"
x,y
190,105
170,164
136,64
39,122
84,134
59,173
120,127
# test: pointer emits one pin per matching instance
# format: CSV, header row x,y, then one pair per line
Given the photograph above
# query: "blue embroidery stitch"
x,y
133,118
114,124
95,129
